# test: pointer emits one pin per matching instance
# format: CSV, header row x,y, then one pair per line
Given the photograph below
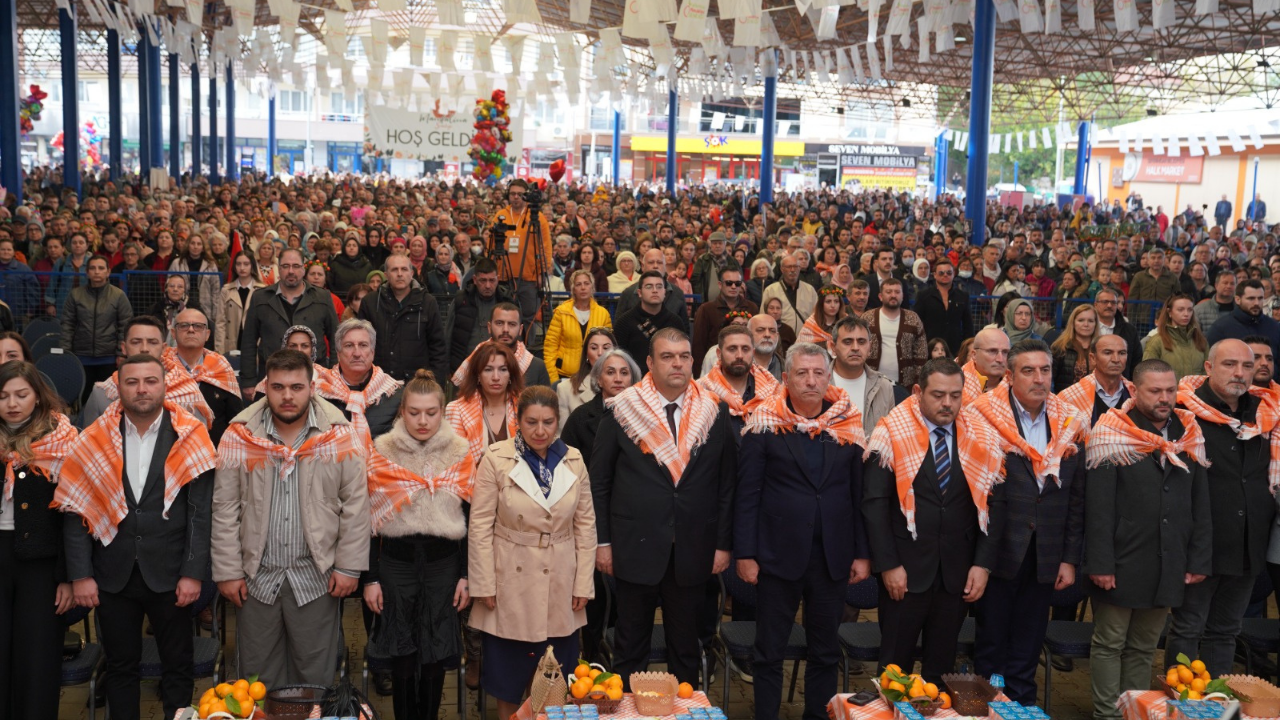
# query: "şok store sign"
x,y
874,166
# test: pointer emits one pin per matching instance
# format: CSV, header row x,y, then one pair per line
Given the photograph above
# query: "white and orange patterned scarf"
x,y
812,332
89,483
466,417
213,369
523,356
48,453
717,384
841,422
1067,426
242,450
1084,393
639,410
180,388
1267,420
1116,439
330,385
901,440
974,383
392,485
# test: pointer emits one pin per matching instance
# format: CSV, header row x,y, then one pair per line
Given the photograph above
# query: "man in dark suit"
x,y
934,558
664,525
156,462
944,308
1148,533
797,534
1043,537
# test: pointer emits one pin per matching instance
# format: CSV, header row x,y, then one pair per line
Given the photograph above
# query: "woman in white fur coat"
x,y
419,481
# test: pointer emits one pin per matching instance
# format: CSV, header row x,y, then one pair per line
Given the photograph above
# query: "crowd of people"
x,y
345,386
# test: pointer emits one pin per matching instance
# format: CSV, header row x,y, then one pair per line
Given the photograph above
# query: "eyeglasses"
x,y
184,326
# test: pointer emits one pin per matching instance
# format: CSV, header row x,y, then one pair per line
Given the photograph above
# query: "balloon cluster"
x,y
89,141
29,109
489,143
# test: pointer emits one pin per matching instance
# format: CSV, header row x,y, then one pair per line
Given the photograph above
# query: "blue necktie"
x,y
942,458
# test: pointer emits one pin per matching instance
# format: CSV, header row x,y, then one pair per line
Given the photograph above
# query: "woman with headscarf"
x,y
626,275
1019,321
920,277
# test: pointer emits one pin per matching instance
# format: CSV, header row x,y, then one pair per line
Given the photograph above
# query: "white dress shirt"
x,y
1034,430
138,450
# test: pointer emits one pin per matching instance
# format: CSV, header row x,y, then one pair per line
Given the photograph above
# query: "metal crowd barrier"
x,y
1055,311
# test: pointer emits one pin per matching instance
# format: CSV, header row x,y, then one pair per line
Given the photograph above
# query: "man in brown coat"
x,y
898,344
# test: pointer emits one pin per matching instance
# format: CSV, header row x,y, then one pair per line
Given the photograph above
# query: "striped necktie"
x,y
942,458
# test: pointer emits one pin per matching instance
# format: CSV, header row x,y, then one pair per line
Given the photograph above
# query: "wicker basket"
x,y
665,684
969,693
294,702
603,704
1264,698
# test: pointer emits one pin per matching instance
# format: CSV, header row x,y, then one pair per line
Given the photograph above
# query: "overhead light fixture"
x,y
961,38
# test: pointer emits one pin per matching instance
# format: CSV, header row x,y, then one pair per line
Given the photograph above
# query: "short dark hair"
x,y
289,360
938,366
848,322
650,274
486,266
148,320
94,258
882,250
669,335
142,359
1249,284
1030,345
732,329
859,284
505,307
889,281
728,267
1256,340
1147,367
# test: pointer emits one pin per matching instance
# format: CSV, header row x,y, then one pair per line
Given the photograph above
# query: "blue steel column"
x,y
766,138
214,176
672,119
175,120
984,51
153,106
1015,174
938,159
1253,198
196,137
115,114
617,148
67,31
271,136
10,135
233,162
1082,158
144,115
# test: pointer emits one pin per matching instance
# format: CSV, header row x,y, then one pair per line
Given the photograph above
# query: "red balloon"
x,y
556,171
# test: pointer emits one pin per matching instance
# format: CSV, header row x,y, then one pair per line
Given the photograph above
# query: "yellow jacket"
x,y
562,347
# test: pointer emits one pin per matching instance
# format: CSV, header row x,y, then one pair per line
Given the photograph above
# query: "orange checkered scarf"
x,y
392,485
717,384
1084,393
901,440
842,421
523,356
90,486
1067,425
974,383
466,417
213,369
1116,439
1266,422
639,410
180,388
812,332
49,453
330,385
242,450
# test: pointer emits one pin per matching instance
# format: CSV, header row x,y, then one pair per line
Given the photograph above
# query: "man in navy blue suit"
x,y
798,531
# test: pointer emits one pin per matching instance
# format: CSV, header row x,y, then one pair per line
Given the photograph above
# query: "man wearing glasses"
x,y
1111,322
276,308
944,308
712,316
524,263
211,371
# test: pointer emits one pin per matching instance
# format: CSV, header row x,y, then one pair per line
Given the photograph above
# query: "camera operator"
x,y
517,257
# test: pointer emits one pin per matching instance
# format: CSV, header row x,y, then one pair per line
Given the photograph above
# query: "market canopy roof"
x,y
1106,60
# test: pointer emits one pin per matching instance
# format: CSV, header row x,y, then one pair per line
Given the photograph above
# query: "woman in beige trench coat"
x,y
531,554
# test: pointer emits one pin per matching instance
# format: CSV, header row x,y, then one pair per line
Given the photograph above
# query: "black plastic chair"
x,y
39,326
45,344
67,374
736,639
860,641
1259,636
1066,638
86,666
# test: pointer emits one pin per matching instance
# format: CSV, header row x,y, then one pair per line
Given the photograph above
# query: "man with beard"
x,y
1239,422
736,379
504,328
276,308
872,393
859,296
713,315
1264,361
211,371
898,345
1247,319
524,264
144,335
136,489
944,308
1106,387
291,525
764,335
1148,460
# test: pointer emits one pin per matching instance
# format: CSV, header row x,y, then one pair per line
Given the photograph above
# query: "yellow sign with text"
x,y
889,178
716,144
